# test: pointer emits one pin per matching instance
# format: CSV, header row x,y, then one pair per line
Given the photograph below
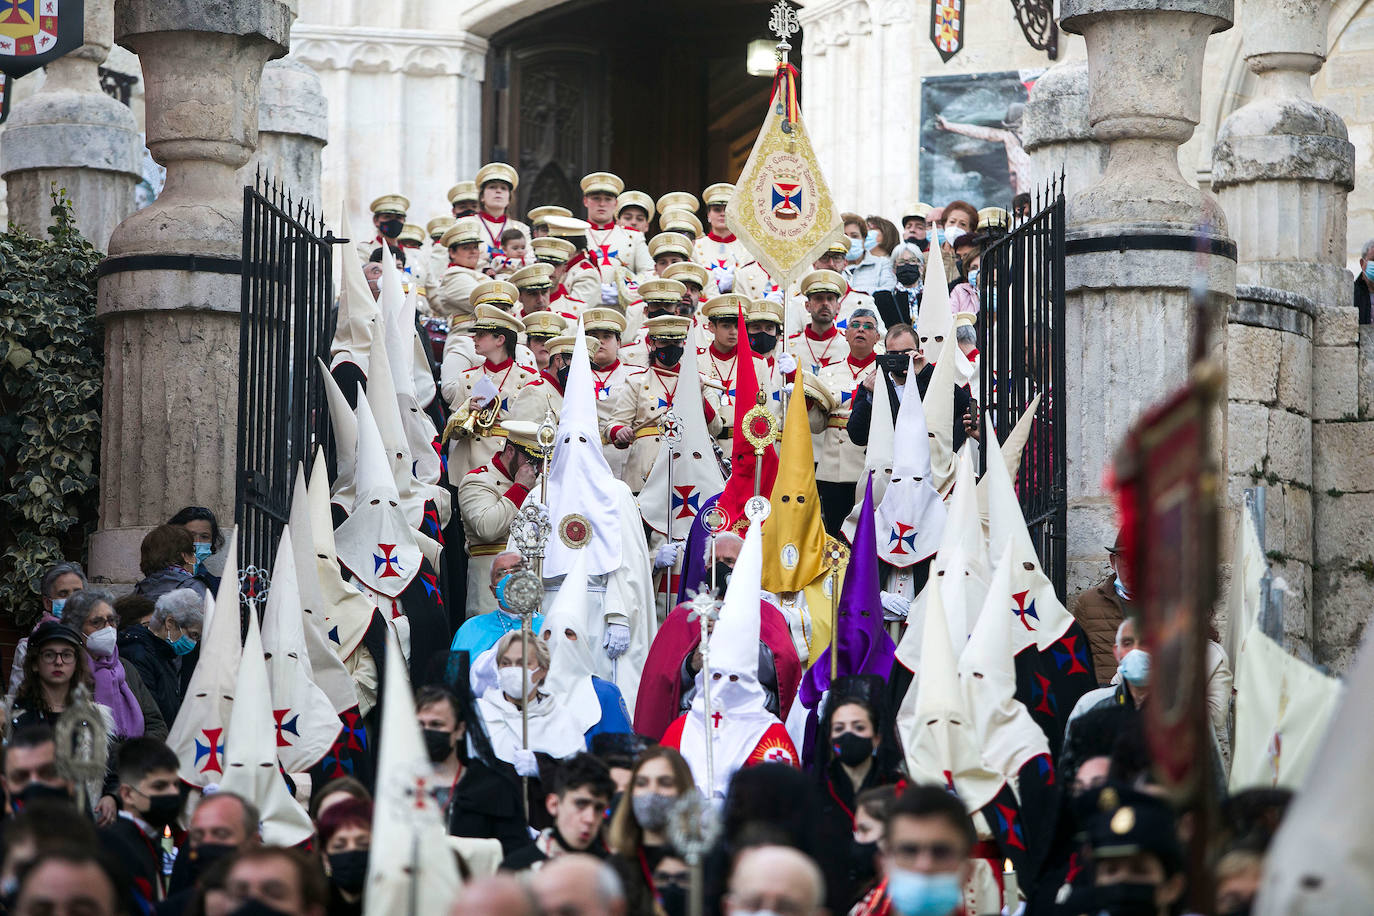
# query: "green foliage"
x,y
51,365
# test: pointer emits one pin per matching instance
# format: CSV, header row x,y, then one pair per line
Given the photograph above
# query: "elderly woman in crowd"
x,y
552,731
60,581
207,539
167,559
134,710
345,831
901,304
164,649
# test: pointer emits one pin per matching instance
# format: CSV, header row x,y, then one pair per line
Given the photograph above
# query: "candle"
x,y
1010,892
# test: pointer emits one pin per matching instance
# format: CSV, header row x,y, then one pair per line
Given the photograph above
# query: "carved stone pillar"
x,y
293,128
169,291
1056,131
1132,244
70,133
1282,167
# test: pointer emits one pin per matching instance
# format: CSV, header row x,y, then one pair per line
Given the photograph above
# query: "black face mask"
x,y
438,744
162,810
348,870
923,244
723,573
391,227
255,908
852,749
1126,899
40,792
674,899
895,363
668,355
907,274
862,857
562,375
763,342
207,854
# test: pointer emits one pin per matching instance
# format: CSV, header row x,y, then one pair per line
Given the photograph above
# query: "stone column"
x,y
293,128
72,134
1131,243
1056,130
169,294
1282,168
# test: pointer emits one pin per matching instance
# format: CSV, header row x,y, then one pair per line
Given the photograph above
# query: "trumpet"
x,y
471,424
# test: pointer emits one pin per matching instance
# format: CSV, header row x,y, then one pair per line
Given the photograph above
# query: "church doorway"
x,y
656,92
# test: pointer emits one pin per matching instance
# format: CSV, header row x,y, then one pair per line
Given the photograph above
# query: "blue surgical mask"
x,y
917,894
57,605
856,249
973,277
183,644
501,592
1369,271
203,551
1121,590
871,240
1135,668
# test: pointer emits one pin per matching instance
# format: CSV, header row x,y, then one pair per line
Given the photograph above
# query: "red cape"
x,y
660,689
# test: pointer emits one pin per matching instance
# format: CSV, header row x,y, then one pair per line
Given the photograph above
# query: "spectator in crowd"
x,y
151,798
42,826
1137,862
221,825
118,687
164,649
71,881
207,540
345,840
925,849
167,558
499,895
281,880
775,879
441,721
1364,283
915,229
1020,207
579,795
638,832
1100,610
866,270
579,885
30,769
901,304
887,236
60,582
57,661
963,296
335,791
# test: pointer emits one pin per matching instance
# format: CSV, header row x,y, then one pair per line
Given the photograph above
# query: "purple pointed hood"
x,y
864,646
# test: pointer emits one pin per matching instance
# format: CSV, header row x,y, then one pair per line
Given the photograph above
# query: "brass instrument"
x,y
472,424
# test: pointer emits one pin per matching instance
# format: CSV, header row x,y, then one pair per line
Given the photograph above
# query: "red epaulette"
x,y
478,470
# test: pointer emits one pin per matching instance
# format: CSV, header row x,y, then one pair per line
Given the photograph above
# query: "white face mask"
x,y
102,642
512,681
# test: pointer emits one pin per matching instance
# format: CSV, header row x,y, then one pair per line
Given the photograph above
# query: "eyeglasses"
x,y
101,622
863,326
52,655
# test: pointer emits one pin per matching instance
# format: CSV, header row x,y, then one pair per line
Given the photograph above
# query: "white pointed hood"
x,y
359,322
736,695
1011,448
1040,617
696,472
376,543
571,661
421,372
411,868
1007,734
910,518
582,490
251,750
307,722
327,668
878,456
197,734
940,739
939,409
345,427
934,322
347,613
398,315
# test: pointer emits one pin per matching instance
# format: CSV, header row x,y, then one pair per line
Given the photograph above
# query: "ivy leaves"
x,y
51,368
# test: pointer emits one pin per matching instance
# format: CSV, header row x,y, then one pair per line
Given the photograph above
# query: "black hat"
x,y
52,631
1125,822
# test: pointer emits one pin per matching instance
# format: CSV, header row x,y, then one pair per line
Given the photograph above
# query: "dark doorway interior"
x,y
653,90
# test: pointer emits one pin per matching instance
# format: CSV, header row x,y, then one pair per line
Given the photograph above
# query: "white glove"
x,y
725,280
895,607
787,389
666,556
610,294
787,363
525,764
485,391
774,295
617,640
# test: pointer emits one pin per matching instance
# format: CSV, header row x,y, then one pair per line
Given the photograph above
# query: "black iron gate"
x,y
1021,339
287,294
